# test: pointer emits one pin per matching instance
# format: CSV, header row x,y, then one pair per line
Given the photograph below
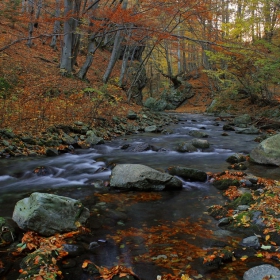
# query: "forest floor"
x,y
34,95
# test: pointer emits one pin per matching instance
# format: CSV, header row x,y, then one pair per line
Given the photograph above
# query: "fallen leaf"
x,y
85,263
243,258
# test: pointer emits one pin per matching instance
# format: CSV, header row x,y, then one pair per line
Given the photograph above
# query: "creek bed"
x,y
154,233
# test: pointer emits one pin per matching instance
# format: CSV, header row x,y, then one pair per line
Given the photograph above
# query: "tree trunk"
x,y
91,50
66,56
30,25
56,24
76,36
116,50
114,56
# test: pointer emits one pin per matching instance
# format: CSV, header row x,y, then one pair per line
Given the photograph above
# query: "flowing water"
x,y
81,175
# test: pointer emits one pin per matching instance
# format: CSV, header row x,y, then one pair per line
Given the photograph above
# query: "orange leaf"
x,y
85,263
243,258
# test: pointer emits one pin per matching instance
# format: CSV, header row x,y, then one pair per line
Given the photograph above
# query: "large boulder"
x,y
176,96
261,271
171,98
48,214
267,152
141,177
155,105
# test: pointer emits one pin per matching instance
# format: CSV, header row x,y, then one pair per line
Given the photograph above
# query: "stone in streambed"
x,y
261,271
188,173
267,152
48,214
141,177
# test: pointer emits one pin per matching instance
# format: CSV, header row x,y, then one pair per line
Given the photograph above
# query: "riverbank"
x,y
62,138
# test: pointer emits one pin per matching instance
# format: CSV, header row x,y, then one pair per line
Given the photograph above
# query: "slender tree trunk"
x,y
91,50
56,24
24,6
114,56
31,24
116,50
76,36
124,65
66,56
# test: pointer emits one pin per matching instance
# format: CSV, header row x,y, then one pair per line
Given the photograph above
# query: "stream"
x,y
131,224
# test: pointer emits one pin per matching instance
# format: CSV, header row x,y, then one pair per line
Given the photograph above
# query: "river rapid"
x,y
82,176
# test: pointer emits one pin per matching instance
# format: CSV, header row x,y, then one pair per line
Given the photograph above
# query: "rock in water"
x,y
268,151
141,177
48,214
261,271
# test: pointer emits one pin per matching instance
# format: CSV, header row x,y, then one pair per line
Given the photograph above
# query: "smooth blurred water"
x,y
87,166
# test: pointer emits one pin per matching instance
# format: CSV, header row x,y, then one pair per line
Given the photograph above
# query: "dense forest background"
x,y
63,61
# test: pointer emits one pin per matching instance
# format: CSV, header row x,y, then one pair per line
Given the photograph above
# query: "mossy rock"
x,y
188,173
217,211
223,184
245,224
245,199
236,158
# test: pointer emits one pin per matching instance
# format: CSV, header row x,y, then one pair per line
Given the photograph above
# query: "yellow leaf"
x,y
245,219
243,258
267,237
185,277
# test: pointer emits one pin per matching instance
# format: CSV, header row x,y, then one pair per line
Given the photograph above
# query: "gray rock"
x,y
228,127
92,139
48,214
249,130
259,272
200,143
151,128
51,152
7,133
68,140
267,152
242,120
142,147
251,241
131,115
224,221
243,207
198,134
186,147
188,173
236,158
28,140
141,177
257,219
73,250
8,230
